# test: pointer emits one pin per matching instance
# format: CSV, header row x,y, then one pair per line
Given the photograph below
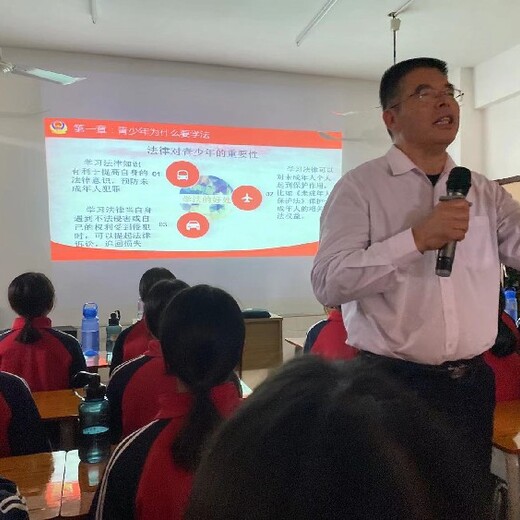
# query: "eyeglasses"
x,y
429,95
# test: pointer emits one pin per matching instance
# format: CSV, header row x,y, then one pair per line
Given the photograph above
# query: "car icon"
x,y
192,224
182,175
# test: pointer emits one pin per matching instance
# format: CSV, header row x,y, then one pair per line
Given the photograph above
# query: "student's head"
x,y
202,335
334,440
151,277
420,106
156,300
30,295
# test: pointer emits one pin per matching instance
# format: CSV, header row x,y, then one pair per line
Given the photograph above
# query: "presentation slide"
x,y
131,190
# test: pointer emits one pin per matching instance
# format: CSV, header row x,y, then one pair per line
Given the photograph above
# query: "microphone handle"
x,y
446,254
445,258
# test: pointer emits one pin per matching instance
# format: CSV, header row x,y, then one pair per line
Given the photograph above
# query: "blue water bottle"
x,y
511,304
90,330
94,439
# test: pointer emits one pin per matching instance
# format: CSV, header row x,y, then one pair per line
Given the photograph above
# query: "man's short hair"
x,y
390,82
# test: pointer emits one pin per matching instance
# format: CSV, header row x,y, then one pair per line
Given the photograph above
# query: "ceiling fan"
x,y
33,72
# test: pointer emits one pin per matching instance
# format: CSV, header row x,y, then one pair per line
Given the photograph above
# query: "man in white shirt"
x,y
380,232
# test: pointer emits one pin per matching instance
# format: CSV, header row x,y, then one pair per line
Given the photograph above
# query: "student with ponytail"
x,y
503,357
135,386
150,474
45,357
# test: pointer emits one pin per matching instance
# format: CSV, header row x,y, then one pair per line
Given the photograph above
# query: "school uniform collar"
x,y
41,322
335,315
178,404
154,349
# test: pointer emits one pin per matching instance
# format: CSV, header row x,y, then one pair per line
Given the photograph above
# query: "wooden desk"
x,y
297,343
95,362
40,479
506,438
62,406
79,485
263,346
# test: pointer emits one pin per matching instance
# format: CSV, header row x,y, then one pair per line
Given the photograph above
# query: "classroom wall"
x,y
497,96
144,90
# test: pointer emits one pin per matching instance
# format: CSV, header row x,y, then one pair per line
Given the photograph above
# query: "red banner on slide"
x,y
63,253
60,128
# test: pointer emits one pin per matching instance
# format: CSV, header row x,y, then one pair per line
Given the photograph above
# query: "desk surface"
x,y
246,391
79,485
272,317
99,361
506,426
40,479
57,404
296,342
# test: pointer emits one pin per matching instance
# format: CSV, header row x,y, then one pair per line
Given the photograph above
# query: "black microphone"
x,y
457,187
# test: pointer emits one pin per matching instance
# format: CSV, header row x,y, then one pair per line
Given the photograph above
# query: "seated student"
x,y
21,429
135,386
328,338
149,475
133,341
46,358
328,441
504,358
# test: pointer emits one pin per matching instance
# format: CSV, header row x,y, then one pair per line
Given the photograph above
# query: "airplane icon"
x,y
246,198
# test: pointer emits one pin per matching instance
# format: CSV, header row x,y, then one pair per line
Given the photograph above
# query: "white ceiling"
x,y
353,40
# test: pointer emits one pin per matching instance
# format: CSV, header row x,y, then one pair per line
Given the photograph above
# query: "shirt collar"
x,y
178,404
41,322
335,315
154,348
400,163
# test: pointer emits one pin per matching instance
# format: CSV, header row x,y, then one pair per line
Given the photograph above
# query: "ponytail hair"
x,y
506,340
202,335
30,295
28,334
202,420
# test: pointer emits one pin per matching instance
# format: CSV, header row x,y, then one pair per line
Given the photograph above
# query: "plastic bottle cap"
x,y
510,293
90,310
95,392
114,318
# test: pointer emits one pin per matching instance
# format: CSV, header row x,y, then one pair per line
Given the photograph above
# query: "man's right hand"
x,y
448,222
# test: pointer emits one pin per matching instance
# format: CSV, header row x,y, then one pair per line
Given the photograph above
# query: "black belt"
x,y
452,369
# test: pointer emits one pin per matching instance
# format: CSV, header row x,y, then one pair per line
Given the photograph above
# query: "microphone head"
x,y
459,181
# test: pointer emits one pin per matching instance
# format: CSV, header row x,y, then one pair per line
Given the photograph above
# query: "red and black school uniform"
x,y
507,368
142,481
50,363
12,505
21,429
328,338
134,389
131,343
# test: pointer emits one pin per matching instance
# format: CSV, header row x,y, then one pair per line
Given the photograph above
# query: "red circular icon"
x,y
182,174
193,225
246,198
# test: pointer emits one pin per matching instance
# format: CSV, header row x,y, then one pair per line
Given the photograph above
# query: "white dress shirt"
x,y
393,303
